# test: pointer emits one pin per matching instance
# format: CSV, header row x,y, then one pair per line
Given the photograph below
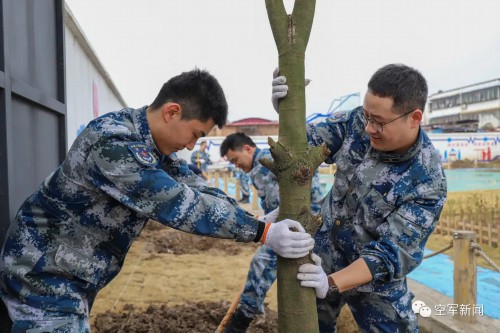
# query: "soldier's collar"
x,y
142,125
256,154
396,157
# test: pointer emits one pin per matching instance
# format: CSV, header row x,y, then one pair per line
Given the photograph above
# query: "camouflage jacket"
x,y
69,239
267,185
382,206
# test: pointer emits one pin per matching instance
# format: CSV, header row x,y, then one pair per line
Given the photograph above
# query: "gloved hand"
x,y
313,276
287,243
271,217
280,88
201,160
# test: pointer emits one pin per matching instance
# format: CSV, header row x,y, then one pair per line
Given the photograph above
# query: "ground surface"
x,y
188,318
175,282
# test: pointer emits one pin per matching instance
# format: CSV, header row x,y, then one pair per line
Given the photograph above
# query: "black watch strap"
x,y
333,293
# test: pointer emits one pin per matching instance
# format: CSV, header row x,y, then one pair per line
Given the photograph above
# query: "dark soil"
x,y
192,317
203,317
167,240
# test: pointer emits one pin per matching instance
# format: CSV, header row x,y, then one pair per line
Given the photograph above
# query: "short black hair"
x,y
199,94
235,142
405,85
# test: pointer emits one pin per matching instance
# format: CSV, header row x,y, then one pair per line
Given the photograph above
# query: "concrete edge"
x,y
447,323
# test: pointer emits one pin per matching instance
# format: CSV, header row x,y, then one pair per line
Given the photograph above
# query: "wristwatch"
x,y
333,292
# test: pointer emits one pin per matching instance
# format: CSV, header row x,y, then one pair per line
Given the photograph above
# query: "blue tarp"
x,y
437,273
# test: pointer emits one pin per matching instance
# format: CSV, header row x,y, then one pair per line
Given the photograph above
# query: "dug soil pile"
x,y
187,318
177,283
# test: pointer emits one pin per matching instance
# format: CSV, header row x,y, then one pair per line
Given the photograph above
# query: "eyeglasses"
x,y
379,125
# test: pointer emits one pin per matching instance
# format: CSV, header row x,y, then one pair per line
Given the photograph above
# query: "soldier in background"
x,y
201,159
69,239
240,150
386,200
244,180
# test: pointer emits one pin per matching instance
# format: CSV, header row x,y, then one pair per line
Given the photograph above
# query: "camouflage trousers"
x,y
27,319
374,311
389,312
261,275
244,183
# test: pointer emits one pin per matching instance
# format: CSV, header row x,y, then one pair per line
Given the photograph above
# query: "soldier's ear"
x,y
170,111
247,148
416,117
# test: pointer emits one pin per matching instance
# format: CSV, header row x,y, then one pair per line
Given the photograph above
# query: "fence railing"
x,y
226,177
477,213
465,251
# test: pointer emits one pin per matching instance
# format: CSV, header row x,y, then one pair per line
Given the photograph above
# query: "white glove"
x,y
287,243
280,88
313,276
271,217
201,160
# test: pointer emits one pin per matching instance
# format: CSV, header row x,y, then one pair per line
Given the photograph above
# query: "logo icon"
x,y
420,308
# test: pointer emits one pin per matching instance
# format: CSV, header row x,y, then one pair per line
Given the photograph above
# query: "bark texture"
x,y
294,161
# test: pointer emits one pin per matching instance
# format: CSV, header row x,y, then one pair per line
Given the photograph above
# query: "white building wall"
x,y
471,146
486,109
86,81
489,119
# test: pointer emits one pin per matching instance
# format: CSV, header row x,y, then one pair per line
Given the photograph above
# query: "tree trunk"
x,y
294,161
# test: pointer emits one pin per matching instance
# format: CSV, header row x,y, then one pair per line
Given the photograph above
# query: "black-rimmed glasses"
x,y
379,125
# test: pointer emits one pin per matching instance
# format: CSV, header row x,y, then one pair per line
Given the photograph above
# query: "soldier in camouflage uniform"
x,y
388,193
244,180
240,150
201,158
70,238
245,186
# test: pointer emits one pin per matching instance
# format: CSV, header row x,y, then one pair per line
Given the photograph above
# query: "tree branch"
x,y
278,20
303,14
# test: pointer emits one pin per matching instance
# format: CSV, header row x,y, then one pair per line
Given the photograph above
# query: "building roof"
x,y
252,122
468,88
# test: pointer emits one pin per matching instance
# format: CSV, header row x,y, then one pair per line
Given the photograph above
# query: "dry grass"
x,y
486,198
461,164
171,279
437,242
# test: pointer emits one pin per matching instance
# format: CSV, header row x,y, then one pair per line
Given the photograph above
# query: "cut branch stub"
x,y
282,156
310,222
317,155
314,156
303,173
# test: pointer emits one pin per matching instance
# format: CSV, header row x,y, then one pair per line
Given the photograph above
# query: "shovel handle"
x,y
229,313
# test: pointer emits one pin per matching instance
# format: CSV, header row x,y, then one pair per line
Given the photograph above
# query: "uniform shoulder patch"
x,y
142,153
340,116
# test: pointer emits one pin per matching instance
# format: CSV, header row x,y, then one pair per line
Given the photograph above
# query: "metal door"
x,y
32,99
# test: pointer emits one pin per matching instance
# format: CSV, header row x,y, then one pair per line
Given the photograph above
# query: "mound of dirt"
x,y
203,317
166,271
167,240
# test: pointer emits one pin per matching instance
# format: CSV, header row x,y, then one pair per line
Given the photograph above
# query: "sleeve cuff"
x,y
260,231
375,266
